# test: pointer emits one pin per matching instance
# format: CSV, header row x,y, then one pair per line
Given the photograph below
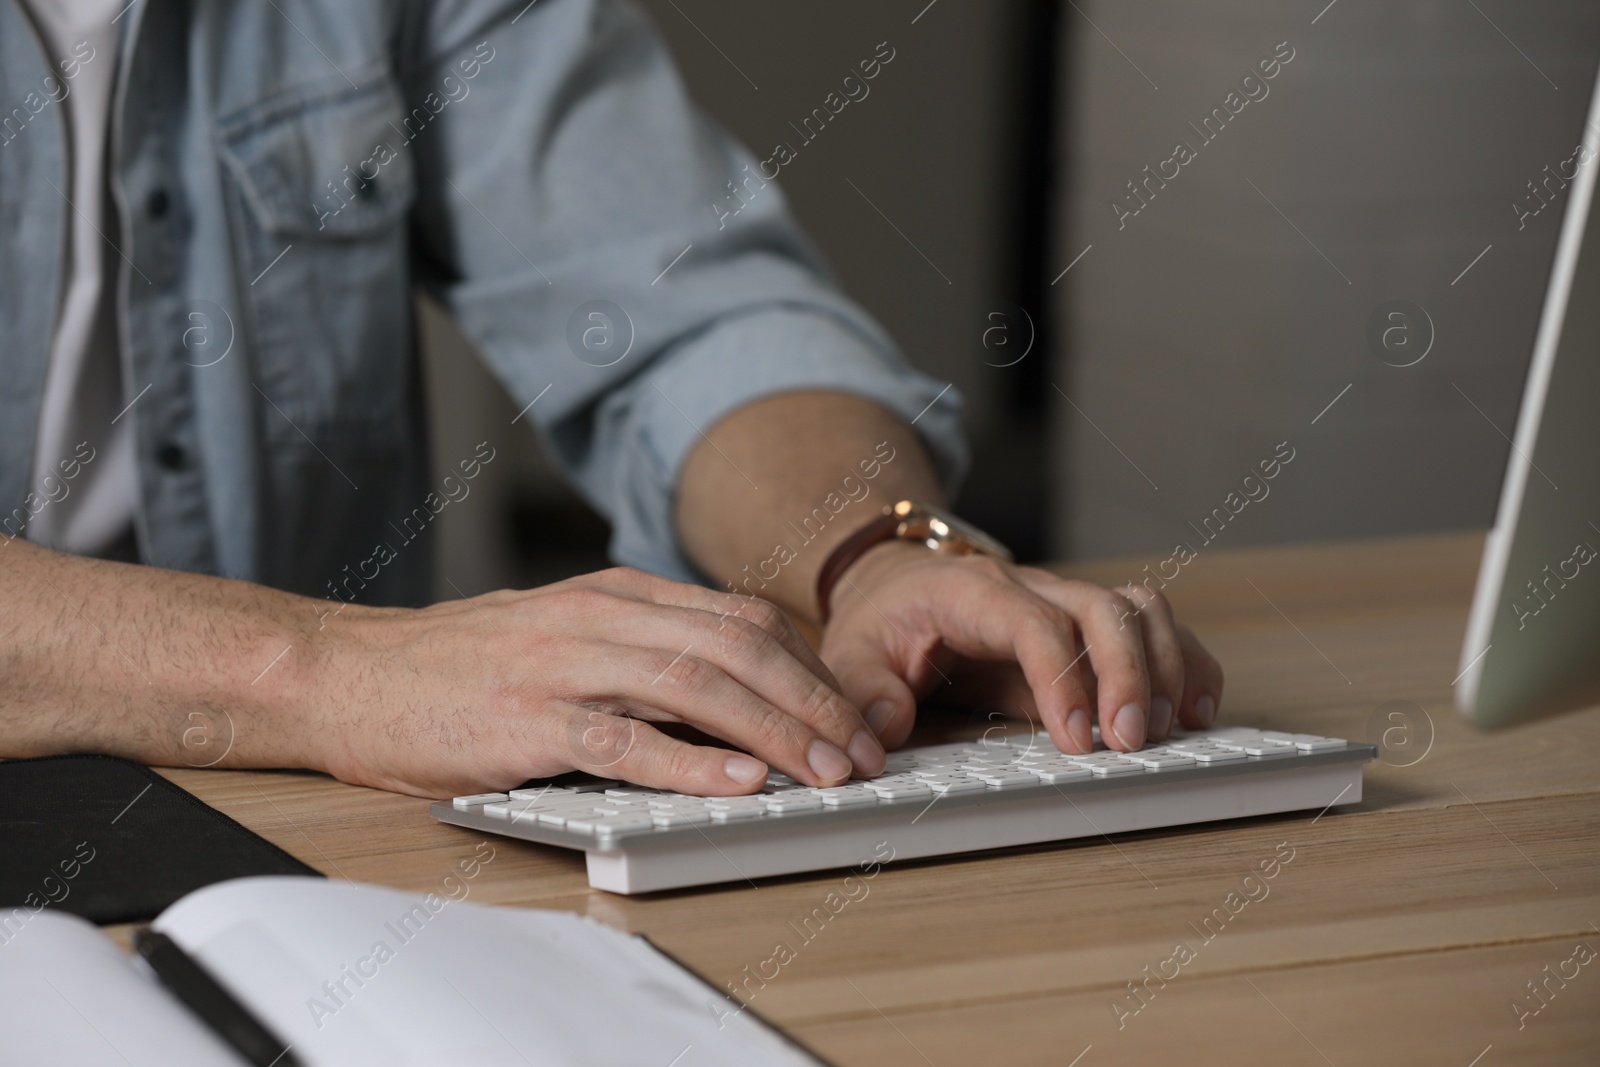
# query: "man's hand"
x,y
487,692
177,669
906,622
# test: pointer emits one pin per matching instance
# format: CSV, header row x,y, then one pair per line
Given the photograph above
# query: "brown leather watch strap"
x,y
849,550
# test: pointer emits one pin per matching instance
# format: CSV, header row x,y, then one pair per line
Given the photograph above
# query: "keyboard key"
x,y
1007,779
514,809
905,778
558,817
693,814
675,800
1121,767
1161,761
786,791
899,790
847,796
735,814
794,802
1321,744
956,786
477,800
1098,759
612,807
973,767
1058,775
1269,748
544,792
735,803
1217,755
673,818
622,824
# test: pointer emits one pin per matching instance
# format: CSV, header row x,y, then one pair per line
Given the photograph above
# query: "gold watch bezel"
x,y
944,532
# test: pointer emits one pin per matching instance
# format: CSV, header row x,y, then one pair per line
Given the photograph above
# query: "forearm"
x,y
781,481
158,666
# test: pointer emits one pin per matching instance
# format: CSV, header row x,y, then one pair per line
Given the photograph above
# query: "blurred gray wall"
x,y
1224,317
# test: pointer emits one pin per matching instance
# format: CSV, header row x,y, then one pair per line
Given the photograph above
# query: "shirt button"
x,y
157,204
172,456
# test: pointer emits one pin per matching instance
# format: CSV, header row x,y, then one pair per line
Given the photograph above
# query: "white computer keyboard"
x,y
934,800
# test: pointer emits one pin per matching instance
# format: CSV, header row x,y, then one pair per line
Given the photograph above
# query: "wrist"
x,y
869,569
296,671
909,522
321,702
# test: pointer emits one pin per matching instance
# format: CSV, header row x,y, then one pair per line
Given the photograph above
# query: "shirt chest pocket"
x,y
321,184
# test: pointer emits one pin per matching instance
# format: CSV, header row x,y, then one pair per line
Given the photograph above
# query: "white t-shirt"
x,y
83,390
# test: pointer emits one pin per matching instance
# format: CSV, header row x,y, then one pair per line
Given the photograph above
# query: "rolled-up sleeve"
x,y
620,262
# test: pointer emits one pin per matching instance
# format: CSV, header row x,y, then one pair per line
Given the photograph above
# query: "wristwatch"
x,y
910,521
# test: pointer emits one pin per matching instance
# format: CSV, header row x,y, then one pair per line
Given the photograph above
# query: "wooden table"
x,y
1404,930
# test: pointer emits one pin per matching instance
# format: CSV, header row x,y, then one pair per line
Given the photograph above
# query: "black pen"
x,y
190,983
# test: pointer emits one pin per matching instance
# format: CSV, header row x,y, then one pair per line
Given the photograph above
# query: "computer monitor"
x,y
1533,639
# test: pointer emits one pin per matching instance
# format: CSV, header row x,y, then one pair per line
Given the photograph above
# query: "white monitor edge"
x,y
1497,547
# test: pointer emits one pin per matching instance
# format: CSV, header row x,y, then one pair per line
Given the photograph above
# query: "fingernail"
x,y
866,753
827,762
1160,718
1128,725
745,770
1079,730
878,716
1205,710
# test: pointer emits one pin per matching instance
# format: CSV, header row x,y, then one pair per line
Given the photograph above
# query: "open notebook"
x,y
355,975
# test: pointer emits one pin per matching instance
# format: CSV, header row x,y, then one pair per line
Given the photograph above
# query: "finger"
x,y
757,660
651,588
1114,640
637,752
1076,732
1002,684
1163,655
1001,694
775,621
651,681
1202,690
866,673
983,612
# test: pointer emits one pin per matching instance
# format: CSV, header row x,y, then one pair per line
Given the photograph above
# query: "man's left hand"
x,y
906,622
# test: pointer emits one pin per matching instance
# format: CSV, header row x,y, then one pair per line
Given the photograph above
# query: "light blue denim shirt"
x,y
286,173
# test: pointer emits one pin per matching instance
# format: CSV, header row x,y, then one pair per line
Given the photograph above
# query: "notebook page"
x,y
362,976
68,994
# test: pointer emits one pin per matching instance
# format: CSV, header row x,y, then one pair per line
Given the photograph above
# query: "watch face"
x,y
935,526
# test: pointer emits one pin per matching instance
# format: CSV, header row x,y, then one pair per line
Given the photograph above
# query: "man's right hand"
x,y
485,693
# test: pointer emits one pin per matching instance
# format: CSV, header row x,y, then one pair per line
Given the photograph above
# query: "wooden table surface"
x,y
1405,929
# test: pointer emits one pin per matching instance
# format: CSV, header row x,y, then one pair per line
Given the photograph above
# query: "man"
x,y
211,455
